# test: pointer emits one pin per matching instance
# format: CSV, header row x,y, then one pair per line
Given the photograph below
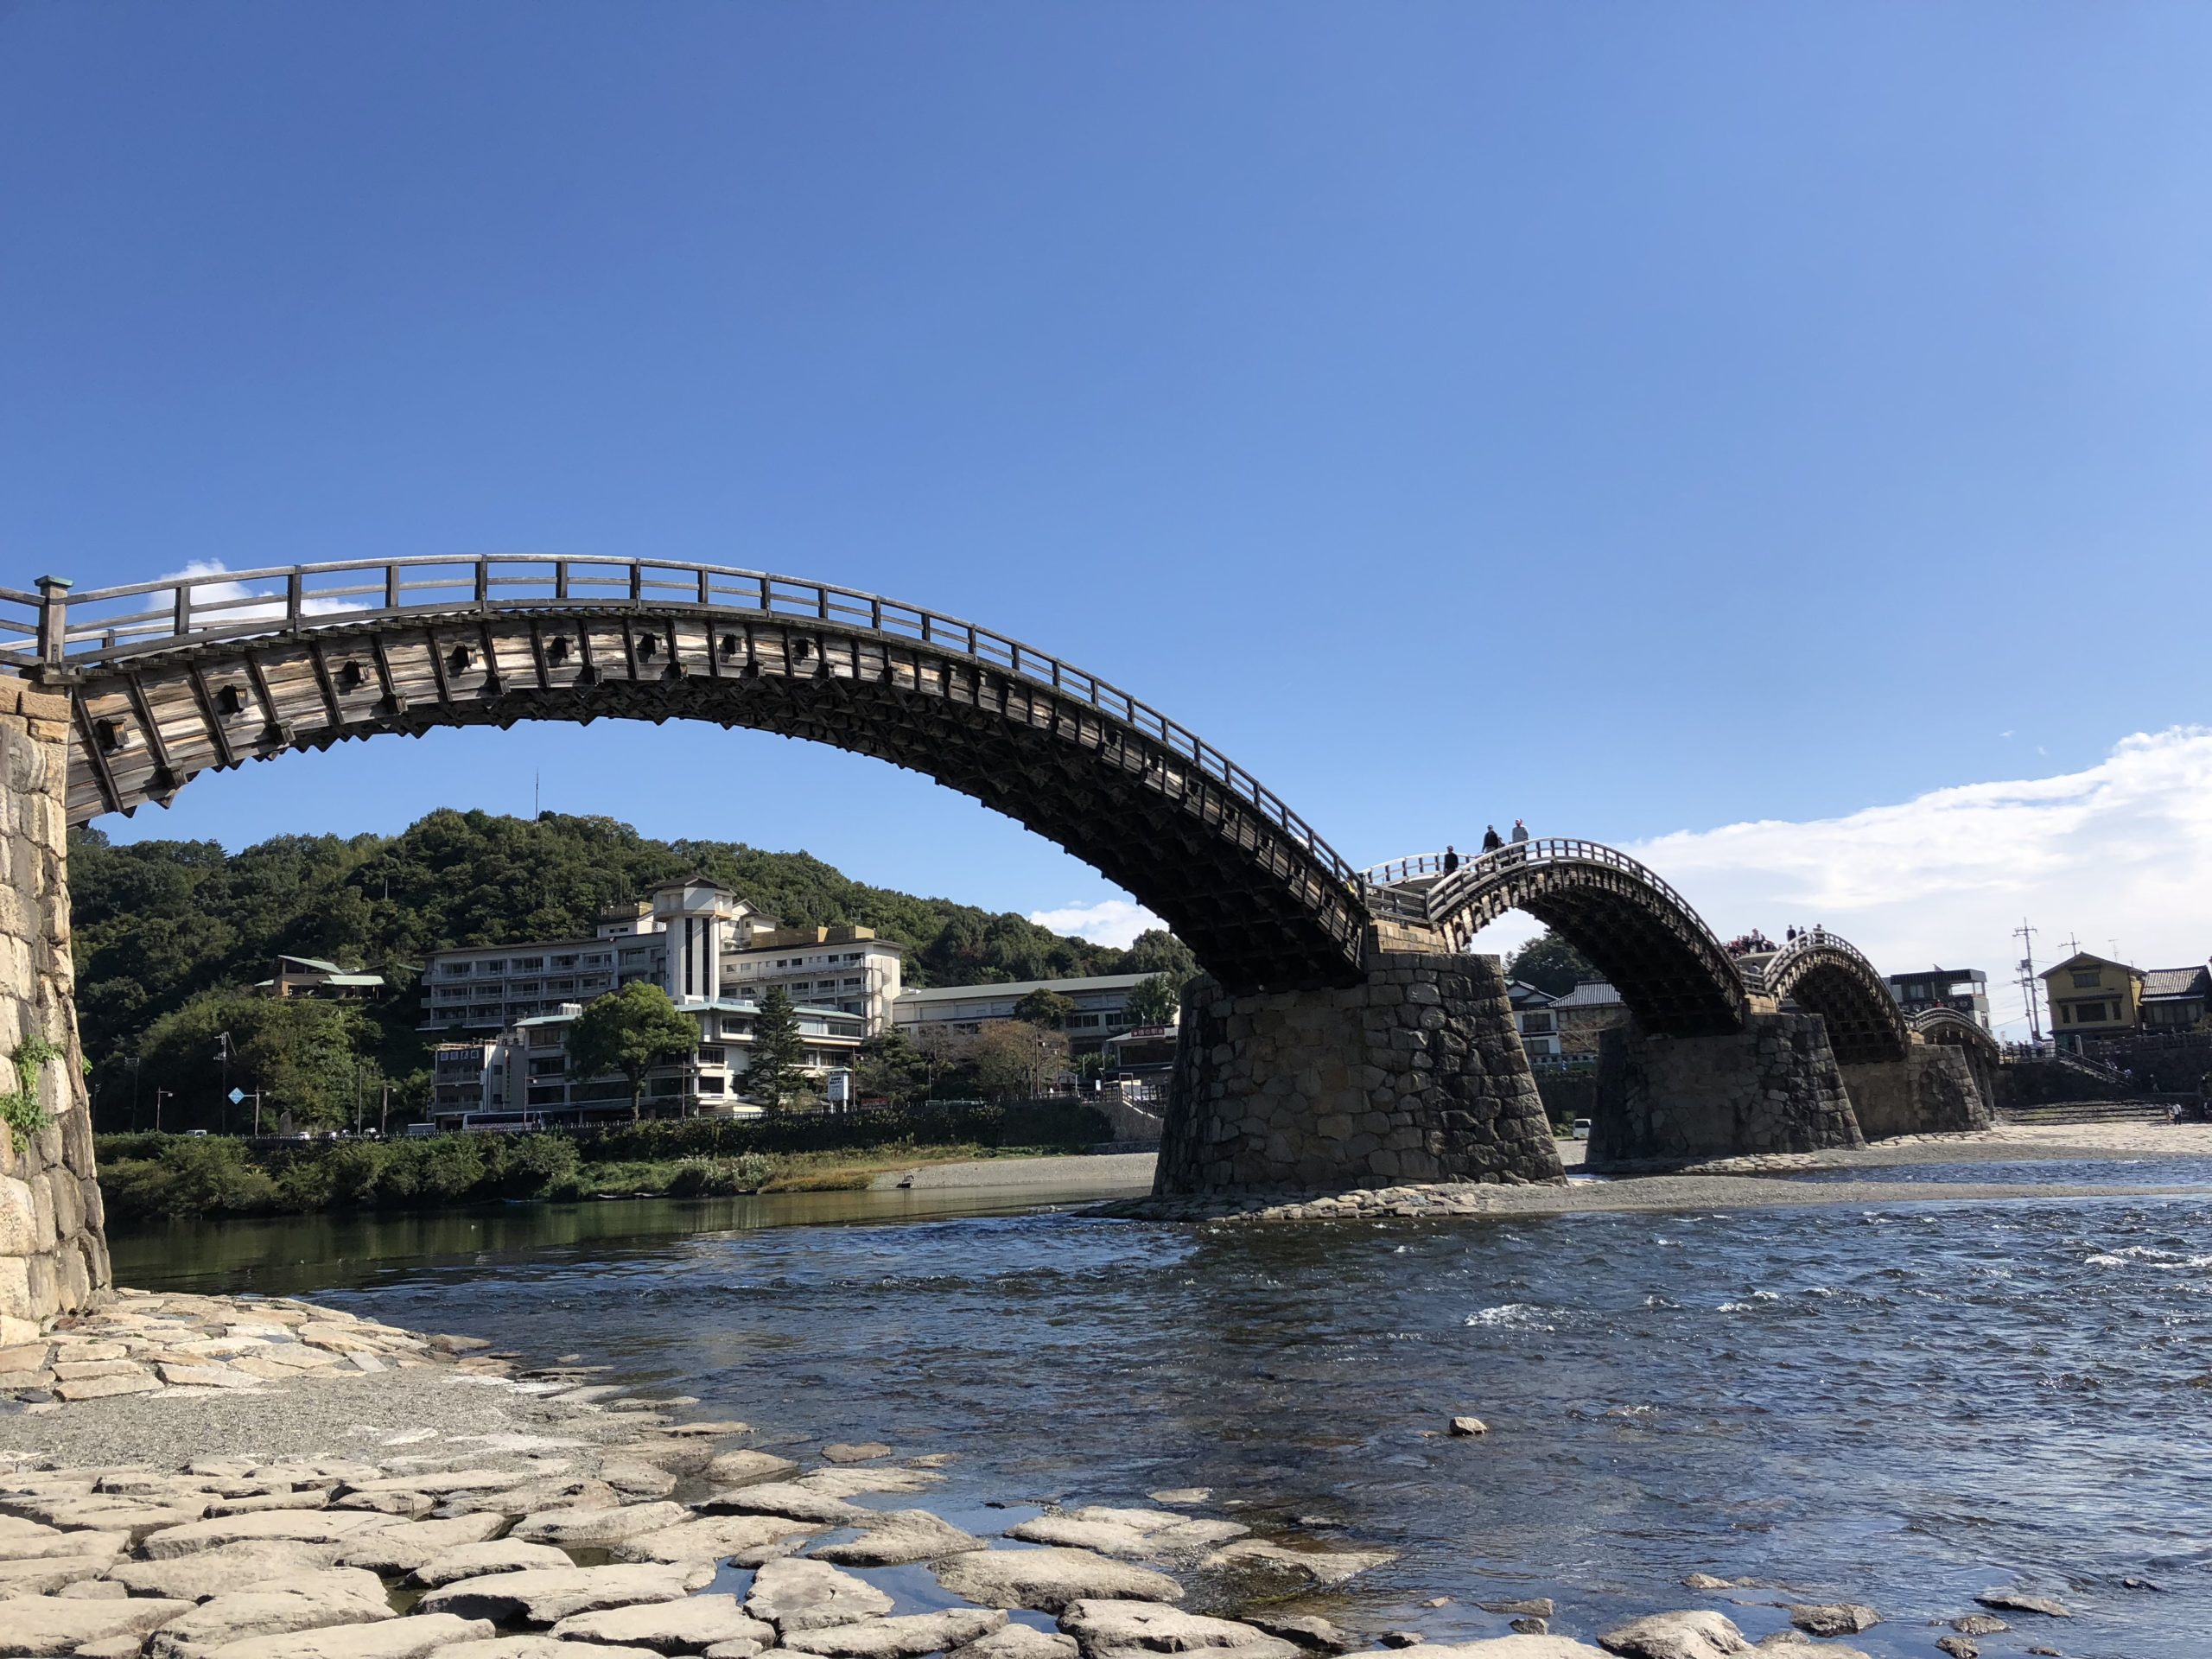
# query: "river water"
x,y
1899,1405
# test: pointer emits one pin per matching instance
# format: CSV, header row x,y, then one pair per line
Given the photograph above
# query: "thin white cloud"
x,y
207,592
2121,850
1112,921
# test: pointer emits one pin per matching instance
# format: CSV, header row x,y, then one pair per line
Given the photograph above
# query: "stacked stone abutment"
x,y
53,1248
1772,1087
1933,1090
1415,1074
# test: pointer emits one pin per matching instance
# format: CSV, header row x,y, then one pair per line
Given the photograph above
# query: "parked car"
x,y
1582,1128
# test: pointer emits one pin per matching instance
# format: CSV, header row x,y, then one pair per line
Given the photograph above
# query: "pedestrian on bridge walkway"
x,y
1491,840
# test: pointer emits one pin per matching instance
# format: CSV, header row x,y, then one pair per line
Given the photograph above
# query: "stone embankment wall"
x,y
2046,1083
1568,1096
1930,1092
53,1250
1415,1075
1771,1087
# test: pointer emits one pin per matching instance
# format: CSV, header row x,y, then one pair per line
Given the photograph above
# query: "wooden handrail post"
x,y
53,618
292,599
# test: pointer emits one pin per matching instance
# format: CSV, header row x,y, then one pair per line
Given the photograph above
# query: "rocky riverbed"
x,y
264,1477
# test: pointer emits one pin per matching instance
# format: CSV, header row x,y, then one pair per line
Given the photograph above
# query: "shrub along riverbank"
x,y
148,1177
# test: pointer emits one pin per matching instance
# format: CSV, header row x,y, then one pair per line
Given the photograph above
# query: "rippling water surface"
x,y
1899,1406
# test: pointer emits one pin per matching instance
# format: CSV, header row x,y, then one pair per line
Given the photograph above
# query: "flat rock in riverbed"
x,y
574,1527
1676,1635
1130,1534
846,1451
1833,1617
785,1498
404,1548
44,1624
305,1526
304,1601
899,1538
851,1483
1309,1631
748,1540
1321,1566
798,1595
1049,1579
1136,1630
1013,1641
1497,1647
391,1638
205,1573
746,1468
2023,1601
20,1540
545,1595
43,1575
683,1626
493,1555
900,1639
542,1647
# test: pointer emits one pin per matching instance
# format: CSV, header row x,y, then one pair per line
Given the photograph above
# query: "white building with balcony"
x,y
844,967
1101,1007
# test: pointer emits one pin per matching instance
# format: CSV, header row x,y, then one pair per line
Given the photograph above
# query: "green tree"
x,y
1156,950
629,1031
1014,1060
1155,1001
1550,965
890,1067
773,1066
1046,1009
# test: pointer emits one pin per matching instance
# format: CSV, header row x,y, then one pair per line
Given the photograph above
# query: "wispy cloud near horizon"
x,y
2117,854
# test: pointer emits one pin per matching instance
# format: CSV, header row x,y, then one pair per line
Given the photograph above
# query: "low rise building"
x,y
312,976
1101,1007
1966,989
1538,1026
2092,997
844,967
2176,999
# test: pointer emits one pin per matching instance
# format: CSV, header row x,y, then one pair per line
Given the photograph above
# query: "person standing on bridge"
x,y
1450,860
1520,831
1491,840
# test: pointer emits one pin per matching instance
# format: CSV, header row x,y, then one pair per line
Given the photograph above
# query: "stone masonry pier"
x,y
1415,1074
1932,1091
53,1250
1772,1087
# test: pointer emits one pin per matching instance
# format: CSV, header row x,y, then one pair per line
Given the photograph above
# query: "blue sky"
x,y
1640,419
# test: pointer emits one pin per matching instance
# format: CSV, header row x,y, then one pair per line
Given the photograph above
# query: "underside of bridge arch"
x,y
1865,1023
1671,977
1262,910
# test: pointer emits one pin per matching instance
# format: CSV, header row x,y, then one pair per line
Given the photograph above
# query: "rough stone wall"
x,y
2047,1083
53,1248
1771,1087
1930,1092
1415,1075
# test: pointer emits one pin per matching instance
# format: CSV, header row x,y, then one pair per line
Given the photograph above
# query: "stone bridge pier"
x,y
1773,1086
1932,1091
1416,1073
53,1248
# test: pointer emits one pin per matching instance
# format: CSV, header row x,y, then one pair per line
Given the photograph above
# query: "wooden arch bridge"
x,y
191,673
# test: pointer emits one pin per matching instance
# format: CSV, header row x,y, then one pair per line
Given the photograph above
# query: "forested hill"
x,y
160,923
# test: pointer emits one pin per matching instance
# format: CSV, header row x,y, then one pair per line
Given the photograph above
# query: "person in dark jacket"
x,y
1450,860
1491,840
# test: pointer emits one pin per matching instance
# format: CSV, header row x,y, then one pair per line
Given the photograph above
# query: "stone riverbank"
x,y
216,1478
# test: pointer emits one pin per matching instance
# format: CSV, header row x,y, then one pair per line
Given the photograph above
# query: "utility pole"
x,y
384,1119
223,1087
133,1063
2026,935
160,1095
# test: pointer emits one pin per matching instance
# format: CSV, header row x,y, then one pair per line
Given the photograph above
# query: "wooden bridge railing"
x,y
57,630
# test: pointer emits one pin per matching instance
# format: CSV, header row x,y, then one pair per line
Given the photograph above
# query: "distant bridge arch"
x,y
168,679
1827,975
1674,976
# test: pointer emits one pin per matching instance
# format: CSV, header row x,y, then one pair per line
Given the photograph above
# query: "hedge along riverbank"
x,y
147,1177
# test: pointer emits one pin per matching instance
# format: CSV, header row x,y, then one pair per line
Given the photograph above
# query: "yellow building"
x,y
2090,997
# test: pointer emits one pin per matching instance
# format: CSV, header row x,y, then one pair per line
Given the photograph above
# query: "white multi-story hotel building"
x,y
1101,1007
844,967
681,939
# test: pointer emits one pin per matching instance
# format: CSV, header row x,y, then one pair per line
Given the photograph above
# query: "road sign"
x,y
237,1095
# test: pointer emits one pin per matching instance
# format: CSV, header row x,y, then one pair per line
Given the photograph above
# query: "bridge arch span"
x,y
173,678
1674,976
1827,975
